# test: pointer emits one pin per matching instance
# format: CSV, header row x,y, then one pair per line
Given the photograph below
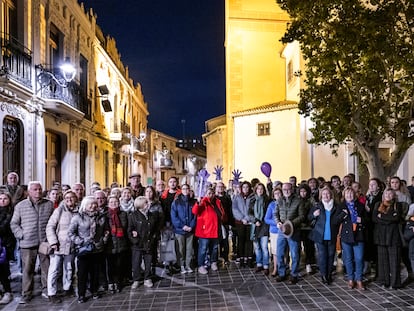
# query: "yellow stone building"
x,y
262,123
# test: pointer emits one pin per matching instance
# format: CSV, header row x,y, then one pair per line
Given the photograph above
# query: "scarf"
x,y
116,227
328,205
353,212
258,210
127,206
384,207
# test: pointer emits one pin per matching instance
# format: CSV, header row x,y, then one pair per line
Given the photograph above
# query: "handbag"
x,y
84,249
44,248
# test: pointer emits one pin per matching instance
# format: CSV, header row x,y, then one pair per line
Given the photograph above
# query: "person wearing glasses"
x,y
183,221
290,208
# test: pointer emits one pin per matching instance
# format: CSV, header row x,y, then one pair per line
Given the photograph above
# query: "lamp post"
x,y
140,139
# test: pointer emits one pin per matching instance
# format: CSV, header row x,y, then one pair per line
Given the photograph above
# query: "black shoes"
x,y
280,278
293,280
55,299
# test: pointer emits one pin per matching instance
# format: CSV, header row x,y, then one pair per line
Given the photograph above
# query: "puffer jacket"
x,y
240,208
79,231
116,245
181,214
208,224
58,227
292,209
29,221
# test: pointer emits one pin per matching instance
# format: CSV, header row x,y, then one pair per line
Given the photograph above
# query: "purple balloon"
x,y
266,169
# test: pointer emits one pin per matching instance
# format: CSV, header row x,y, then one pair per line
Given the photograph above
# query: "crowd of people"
x,y
115,237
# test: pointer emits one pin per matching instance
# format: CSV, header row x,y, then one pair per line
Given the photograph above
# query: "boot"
x,y
360,285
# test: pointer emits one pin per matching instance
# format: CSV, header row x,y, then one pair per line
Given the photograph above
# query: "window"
x,y
83,155
290,72
12,154
263,129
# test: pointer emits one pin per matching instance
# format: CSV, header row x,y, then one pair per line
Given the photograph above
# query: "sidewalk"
x,y
232,289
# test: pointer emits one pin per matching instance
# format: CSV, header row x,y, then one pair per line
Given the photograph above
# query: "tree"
x,y
359,74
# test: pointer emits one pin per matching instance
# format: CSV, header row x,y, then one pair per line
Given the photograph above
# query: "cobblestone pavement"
x,y
233,288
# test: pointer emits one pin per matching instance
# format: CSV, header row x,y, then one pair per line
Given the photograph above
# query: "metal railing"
x,y
16,60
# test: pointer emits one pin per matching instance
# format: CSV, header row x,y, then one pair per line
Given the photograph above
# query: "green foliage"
x,y
360,72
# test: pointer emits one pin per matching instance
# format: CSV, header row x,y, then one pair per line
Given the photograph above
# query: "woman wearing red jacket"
x,y
210,214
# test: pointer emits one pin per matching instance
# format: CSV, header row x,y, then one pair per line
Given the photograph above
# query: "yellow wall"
x,y
255,70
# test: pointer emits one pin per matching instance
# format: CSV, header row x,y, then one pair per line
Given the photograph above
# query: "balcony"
x,y
16,63
120,131
68,102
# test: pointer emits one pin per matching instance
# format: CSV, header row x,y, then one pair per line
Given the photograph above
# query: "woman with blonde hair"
x,y
89,232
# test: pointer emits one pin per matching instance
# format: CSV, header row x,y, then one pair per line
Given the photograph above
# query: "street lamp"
x,y
66,75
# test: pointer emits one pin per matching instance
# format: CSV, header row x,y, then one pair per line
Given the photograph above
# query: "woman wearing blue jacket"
x,y
273,229
184,221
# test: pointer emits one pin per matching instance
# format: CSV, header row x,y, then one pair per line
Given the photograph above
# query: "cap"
x,y
135,175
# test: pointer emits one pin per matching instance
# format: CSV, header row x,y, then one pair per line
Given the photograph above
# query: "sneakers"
x,y
183,271
55,299
95,296
6,299
214,266
46,296
81,299
189,270
135,285
202,270
148,283
308,269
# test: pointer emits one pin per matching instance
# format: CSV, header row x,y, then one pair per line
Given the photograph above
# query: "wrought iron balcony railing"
x,y
16,60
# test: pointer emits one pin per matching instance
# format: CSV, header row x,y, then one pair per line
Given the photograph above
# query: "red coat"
x,y
208,224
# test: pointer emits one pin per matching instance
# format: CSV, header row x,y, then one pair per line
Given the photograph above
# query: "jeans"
x,y
326,256
353,256
185,249
57,262
137,256
261,250
207,247
282,243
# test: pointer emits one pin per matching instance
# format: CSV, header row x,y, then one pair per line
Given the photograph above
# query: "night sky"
x,y
175,50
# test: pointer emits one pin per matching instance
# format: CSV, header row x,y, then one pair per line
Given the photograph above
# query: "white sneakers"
x,y
135,285
183,270
214,266
148,283
189,270
7,297
202,270
308,269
